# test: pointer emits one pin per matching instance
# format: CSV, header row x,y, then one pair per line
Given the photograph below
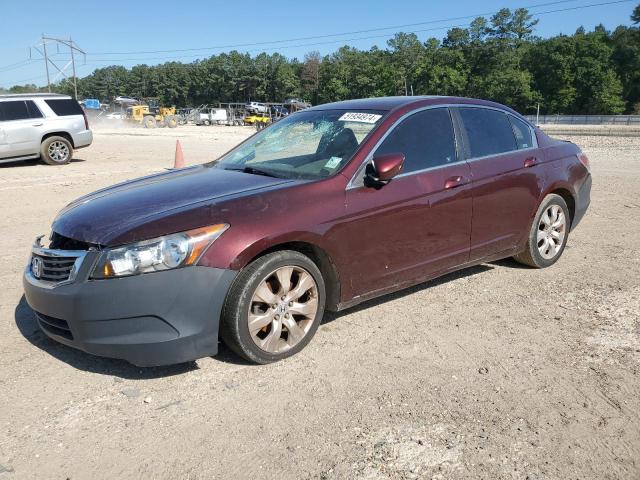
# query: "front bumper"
x,y
158,318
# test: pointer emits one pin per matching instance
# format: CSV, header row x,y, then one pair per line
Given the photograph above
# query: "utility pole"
x,y
48,61
73,66
538,114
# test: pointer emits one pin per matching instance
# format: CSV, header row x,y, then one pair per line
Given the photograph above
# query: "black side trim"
x,y
54,326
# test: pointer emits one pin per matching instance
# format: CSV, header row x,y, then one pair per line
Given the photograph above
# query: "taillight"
x,y
86,121
584,160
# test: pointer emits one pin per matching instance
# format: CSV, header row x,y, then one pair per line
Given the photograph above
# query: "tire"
x,y
149,121
56,150
271,339
548,234
206,122
171,121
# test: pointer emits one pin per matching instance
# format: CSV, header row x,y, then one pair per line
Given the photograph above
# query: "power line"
x,y
17,65
450,19
18,82
369,37
443,27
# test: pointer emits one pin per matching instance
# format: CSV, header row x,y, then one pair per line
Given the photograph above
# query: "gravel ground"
x,y
496,372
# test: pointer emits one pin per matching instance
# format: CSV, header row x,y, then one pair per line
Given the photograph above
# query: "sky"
x,y
116,32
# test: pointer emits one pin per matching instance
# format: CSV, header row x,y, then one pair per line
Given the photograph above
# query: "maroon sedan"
x,y
327,208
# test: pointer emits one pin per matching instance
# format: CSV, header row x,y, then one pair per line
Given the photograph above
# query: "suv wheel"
x,y
56,151
274,307
548,234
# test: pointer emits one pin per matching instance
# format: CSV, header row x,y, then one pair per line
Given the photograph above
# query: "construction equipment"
x,y
256,118
151,115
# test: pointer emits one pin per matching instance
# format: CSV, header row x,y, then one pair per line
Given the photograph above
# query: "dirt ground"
x,y
496,372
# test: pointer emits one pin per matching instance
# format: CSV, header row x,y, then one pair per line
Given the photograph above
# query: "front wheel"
x,y
548,234
171,121
274,307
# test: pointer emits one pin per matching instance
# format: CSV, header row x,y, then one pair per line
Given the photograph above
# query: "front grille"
x,y
55,326
55,269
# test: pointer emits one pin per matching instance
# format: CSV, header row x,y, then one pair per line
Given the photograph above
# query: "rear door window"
x,y
425,138
64,107
522,131
488,132
32,108
13,110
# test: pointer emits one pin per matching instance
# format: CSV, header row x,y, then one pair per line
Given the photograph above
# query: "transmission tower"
x,y
61,45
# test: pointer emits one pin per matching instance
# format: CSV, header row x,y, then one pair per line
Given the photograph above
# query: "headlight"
x,y
163,253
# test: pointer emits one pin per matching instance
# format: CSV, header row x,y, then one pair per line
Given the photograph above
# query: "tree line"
x,y
499,58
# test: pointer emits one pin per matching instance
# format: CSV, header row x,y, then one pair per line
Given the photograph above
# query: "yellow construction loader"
x,y
151,115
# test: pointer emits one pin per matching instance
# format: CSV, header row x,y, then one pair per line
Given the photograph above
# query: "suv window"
x,y
488,132
65,107
32,108
522,131
426,138
14,110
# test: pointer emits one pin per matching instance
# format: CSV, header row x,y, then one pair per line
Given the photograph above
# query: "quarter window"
x,y
425,138
13,110
488,132
522,131
65,107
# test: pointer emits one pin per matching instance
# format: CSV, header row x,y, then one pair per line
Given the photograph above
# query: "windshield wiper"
x,y
253,171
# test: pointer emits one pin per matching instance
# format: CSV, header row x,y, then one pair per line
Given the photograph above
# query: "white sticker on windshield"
x,y
333,162
360,117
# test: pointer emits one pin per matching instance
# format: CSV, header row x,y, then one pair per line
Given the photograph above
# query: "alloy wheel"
x,y
283,308
551,231
58,151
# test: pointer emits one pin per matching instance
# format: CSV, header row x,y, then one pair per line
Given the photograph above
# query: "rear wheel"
x,y
56,150
149,121
274,307
548,235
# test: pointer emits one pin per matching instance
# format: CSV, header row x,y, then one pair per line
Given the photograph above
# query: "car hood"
x,y
127,211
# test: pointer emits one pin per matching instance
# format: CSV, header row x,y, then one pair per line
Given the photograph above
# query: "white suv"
x,y
256,107
38,125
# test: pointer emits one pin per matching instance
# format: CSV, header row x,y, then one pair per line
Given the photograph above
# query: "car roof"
x,y
392,103
13,96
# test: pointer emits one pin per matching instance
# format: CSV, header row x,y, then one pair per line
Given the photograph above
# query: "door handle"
x,y
455,181
37,124
530,162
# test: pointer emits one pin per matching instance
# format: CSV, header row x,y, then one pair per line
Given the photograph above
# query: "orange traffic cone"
x,y
179,158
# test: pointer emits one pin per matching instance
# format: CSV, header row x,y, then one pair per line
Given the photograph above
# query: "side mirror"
x,y
383,168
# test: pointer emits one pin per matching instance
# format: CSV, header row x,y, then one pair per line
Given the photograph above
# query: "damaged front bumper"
x,y
158,318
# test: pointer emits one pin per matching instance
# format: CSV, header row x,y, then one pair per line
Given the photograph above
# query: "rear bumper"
x,y
160,318
583,200
82,139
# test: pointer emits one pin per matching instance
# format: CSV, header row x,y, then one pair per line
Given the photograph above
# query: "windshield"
x,y
306,145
